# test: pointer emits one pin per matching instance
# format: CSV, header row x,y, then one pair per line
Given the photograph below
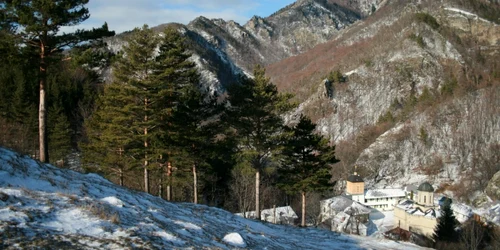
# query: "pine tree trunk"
x,y
257,195
274,214
195,185
303,223
146,163
42,112
146,171
121,177
169,181
160,186
120,151
146,179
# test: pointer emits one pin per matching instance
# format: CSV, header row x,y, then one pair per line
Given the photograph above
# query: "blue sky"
x,y
123,15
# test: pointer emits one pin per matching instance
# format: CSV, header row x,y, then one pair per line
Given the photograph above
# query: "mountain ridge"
x,y
290,31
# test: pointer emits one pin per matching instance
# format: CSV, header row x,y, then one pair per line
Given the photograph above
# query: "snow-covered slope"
x,y
44,206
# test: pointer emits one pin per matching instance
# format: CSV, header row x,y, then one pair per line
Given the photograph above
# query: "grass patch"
x,y
102,211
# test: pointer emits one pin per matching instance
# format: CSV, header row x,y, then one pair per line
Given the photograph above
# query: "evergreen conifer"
x,y
307,162
445,229
37,23
255,115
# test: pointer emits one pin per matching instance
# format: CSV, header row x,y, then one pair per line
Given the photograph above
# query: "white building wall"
x,y
359,198
385,203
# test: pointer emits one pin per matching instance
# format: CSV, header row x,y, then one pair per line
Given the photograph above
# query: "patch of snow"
x,y
168,237
7,214
113,201
385,192
351,72
187,225
234,239
466,13
64,221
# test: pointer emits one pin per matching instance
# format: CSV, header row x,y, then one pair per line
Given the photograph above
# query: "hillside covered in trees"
x,y
152,125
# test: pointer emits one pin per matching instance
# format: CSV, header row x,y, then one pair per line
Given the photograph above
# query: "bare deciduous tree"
x,y
243,188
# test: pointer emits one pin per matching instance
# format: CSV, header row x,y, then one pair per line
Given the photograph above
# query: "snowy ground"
x,y
45,207
380,222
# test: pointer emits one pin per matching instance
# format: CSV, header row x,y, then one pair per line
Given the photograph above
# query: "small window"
x,y
424,199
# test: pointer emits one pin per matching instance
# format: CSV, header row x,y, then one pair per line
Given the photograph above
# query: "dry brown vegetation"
x,y
297,74
304,73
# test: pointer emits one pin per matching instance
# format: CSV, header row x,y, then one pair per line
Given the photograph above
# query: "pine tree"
x,y
135,73
37,23
188,130
254,114
109,135
59,133
307,162
154,80
18,104
445,229
197,126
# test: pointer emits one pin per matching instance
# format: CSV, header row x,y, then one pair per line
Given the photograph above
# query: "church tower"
x,y
425,196
355,188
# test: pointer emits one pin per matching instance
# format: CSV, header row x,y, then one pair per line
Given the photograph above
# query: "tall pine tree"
x,y
108,135
445,229
197,124
181,104
37,23
307,162
254,114
135,73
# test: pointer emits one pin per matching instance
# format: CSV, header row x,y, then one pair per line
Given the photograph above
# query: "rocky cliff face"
x,y
299,27
421,100
224,50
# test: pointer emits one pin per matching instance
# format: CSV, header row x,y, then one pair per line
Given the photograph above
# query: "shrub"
x,y
427,19
418,39
423,136
387,117
449,87
336,76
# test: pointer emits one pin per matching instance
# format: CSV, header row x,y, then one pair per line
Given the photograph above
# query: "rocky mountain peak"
x,y
264,40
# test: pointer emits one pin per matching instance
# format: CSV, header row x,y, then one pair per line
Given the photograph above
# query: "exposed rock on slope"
x,y
493,188
224,50
421,100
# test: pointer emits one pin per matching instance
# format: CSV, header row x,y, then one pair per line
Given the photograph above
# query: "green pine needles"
x,y
307,161
445,229
135,118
